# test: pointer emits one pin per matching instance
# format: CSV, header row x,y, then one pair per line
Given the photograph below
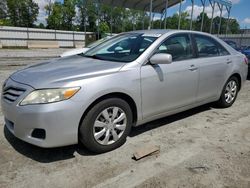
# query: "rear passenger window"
x,y
208,47
178,46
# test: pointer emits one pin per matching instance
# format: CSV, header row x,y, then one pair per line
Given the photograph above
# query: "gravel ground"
x,y
202,147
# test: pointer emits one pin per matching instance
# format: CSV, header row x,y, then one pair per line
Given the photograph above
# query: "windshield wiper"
x,y
93,57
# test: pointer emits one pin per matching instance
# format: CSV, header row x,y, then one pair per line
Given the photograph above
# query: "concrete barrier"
x,y
240,39
12,37
43,44
79,44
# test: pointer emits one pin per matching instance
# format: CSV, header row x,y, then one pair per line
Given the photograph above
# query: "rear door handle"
x,y
192,68
229,61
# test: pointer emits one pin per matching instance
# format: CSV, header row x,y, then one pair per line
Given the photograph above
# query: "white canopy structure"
x,y
161,6
157,5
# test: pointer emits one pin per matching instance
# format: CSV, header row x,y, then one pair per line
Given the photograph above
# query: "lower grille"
x,y
11,94
9,124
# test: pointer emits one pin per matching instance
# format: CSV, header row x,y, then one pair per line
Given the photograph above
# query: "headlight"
x,y
45,96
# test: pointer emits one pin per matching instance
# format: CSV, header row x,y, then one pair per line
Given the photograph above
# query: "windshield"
x,y
93,44
123,48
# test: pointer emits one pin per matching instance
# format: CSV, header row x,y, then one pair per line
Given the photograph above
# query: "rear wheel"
x,y
229,93
106,125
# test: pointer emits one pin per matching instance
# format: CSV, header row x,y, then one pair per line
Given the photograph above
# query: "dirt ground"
x,y
202,147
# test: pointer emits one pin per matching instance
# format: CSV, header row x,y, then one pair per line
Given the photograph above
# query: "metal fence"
x,y
20,37
240,39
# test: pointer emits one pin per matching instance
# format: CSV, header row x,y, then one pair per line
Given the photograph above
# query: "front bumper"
x,y
59,120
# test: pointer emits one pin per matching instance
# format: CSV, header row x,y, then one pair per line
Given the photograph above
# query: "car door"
x,y
213,63
168,86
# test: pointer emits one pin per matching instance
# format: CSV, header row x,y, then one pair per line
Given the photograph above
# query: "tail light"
x,y
246,60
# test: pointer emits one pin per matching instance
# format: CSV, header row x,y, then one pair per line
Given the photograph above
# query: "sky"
x,y
240,10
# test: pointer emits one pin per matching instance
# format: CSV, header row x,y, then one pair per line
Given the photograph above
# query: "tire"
x,y
223,101
99,120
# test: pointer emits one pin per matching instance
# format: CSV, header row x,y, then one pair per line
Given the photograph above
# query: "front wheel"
x,y
229,93
106,125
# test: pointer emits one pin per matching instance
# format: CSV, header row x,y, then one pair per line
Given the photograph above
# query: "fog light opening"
x,y
9,124
39,133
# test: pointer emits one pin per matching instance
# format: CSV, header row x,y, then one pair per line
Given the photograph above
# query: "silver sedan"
x,y
126,81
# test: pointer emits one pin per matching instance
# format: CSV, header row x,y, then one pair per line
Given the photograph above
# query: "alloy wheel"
x,y
230,91
109,125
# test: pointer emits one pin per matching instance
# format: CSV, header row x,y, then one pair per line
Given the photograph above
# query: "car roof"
x,y
164,31
155,32
151,31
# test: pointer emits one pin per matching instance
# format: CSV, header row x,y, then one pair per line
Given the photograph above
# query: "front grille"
x,y
12,93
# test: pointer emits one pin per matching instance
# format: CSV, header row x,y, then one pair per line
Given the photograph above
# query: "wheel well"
x,y
239,79
123,96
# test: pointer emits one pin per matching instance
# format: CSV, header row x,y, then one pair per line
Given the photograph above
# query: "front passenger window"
x,y
178,46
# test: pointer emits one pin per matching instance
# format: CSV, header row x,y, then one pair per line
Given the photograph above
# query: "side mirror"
x,y
161,58
118,49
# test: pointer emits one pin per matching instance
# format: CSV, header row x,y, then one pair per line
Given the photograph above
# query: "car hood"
x,y
64,70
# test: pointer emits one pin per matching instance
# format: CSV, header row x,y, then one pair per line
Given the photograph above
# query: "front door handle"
x,y
192,68
229,61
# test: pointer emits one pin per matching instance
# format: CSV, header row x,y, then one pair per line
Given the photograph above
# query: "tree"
x,y
22,13
68,14
172,22
122,19
136,19
104,28
61,16
206,23
118,19
185,21
48,7
3,9
3,13
41,26
92,14
82,17
88,14
216,24
233,26
55,19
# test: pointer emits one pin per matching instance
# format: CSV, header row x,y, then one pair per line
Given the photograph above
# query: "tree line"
x,y
84,15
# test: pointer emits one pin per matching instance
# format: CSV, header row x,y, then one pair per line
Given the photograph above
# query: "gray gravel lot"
x,y
202,147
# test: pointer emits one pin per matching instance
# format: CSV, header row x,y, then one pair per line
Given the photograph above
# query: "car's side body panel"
x,y
163,88
212,74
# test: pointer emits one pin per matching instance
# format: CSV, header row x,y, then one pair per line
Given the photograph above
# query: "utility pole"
x,y
150,14
165,16
192,13
203,13
179,23
212,19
